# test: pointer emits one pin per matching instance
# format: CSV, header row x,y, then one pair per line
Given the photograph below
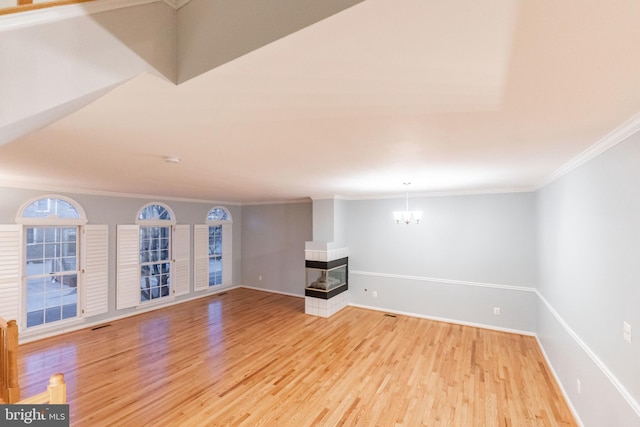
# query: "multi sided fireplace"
x,y
326,279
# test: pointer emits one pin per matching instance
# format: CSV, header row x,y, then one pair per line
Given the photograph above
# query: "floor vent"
x,y
390,315
224,293
100,327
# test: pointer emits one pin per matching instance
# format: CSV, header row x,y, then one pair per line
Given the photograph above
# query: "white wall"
x,y
589,239
471,254
340,222
468,255
330,221
323,220
273,242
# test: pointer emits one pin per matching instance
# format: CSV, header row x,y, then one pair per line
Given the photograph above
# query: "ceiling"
x,y
455,97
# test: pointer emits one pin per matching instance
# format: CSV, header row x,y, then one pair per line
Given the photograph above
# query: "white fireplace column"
x,y
327,251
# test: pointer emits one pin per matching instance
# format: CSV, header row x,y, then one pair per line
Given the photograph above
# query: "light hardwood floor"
x,y
255,359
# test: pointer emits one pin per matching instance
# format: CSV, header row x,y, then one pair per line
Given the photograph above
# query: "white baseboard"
x,y
562,389
446,320
272,291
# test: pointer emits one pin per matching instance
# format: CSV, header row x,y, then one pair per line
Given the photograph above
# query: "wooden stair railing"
x,y
56,393
9,388
26,5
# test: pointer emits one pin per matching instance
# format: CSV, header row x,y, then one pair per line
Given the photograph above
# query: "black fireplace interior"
x,y
326,279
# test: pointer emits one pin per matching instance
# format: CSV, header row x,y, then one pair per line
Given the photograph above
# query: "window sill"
x,y
155,303
61,325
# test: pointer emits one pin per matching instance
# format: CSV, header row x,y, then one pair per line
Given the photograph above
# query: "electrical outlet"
x,y
496,311
578,386
626,331
375,294
259,278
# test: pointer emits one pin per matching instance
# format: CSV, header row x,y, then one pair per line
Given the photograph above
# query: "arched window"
x,y
155,212
219,214
51,263
155,221
51,210
213,250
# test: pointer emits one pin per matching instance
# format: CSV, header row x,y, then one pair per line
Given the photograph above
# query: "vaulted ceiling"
x,y
282,100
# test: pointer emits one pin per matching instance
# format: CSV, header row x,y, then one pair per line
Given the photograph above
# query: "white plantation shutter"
x,y
95,266
128,267
10,262
181,244
227,254
200,257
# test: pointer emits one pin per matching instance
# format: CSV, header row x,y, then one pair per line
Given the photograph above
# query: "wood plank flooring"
x,y
250,358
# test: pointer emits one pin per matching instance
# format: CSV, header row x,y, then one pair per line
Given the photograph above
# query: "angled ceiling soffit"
x,y
176,4
184,39
44,118
212,33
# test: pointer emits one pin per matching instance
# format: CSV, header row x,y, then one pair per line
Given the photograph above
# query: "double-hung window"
x,y
155,252
212,253
64,263
51,226
51,274
152,258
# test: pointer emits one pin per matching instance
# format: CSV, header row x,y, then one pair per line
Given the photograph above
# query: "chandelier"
x,y
407,216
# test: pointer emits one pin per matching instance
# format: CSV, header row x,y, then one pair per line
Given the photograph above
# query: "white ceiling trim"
x,y
59,13
402,195
50,189
613,138
279,202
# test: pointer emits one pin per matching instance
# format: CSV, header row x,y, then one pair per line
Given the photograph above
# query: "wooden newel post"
x,y
12,360
57,389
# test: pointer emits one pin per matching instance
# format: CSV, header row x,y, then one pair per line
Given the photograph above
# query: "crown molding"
x,y
613,138
452,193
278,202
328,197
67,190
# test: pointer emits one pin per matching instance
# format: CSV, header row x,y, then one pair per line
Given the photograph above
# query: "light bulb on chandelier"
x,y
407,216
